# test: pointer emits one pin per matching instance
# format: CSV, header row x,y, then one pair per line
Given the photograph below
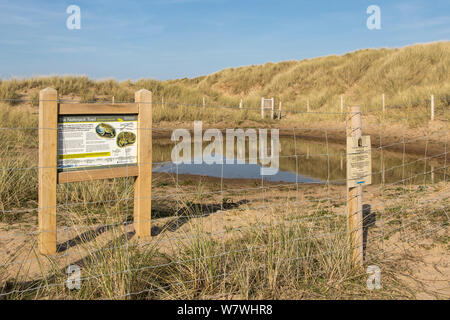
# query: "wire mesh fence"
x,y
224,230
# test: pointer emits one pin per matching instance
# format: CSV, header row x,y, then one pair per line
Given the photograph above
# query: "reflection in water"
x,y
233,171
310,162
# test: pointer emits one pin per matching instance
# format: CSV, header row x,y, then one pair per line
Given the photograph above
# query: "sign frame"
x,y
49,110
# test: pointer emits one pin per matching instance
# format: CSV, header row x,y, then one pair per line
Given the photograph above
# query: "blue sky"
x,y
166,39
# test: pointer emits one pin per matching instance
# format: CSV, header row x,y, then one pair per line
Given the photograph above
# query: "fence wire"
x,y
215,236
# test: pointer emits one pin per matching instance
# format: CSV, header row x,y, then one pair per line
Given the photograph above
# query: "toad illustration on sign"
x,y
125,138
105,130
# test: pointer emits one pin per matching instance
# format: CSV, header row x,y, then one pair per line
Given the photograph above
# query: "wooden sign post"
x,y
143,183
354,189
51,172
48,126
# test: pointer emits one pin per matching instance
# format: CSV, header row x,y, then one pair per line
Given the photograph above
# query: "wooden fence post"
x,y
143,182
240,104
342,104
272,111
279,111
48,139
432,107
432,174
204,102
113,99
262,107
354,194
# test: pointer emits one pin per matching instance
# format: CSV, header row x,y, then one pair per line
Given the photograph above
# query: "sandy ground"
x,y
406,228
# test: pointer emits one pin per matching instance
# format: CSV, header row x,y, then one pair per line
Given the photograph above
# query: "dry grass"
x,y
408,76
267,261
271,259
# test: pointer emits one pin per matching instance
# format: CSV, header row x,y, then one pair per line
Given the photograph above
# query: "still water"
x,y
307,161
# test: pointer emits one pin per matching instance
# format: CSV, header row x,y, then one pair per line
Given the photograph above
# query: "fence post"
x,y
240,104
272,112
432,174
279,111
262,107
384,105
162,101
342,104
113,100
204,103
354,195
432,107
48,139
143,182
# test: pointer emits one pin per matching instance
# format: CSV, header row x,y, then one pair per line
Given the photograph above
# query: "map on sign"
x,y
359,161
93,141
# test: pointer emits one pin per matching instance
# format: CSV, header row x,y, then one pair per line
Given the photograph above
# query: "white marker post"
x,y
432,107
262,107
272,110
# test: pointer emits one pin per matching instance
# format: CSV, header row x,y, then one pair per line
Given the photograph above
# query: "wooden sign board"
x,y
359,161
85,142
96,141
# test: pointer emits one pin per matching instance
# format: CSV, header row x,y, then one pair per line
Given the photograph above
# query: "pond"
x,y
307,161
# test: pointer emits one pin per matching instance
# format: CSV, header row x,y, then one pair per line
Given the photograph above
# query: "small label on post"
x,y
359,161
